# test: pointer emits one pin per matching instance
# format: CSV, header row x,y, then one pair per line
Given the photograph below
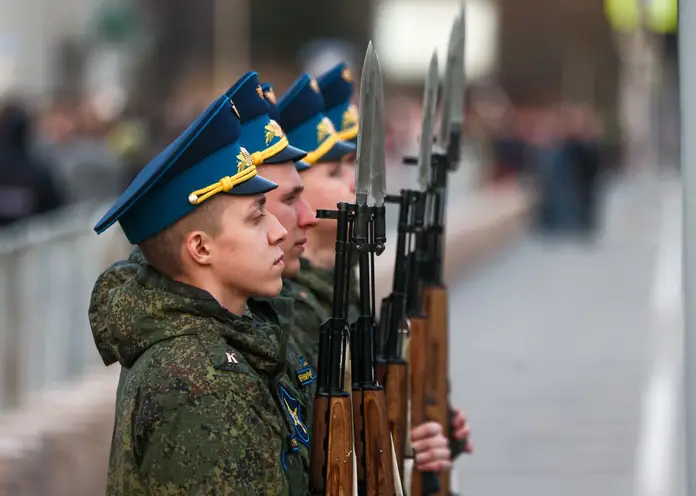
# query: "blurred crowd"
x,y
563,149
66,154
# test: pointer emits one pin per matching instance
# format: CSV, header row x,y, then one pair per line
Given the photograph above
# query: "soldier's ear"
x,y
197,246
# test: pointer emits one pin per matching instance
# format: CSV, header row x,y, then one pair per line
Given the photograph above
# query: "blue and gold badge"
x,y
305,374
325,129
273,130
292,407
350,117
243,160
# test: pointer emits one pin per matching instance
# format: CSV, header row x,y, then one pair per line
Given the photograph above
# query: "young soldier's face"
x,y
246,255
325,185
286,202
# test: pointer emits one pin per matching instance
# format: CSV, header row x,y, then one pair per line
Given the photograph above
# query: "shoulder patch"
x,y
292,408
305,374
231,361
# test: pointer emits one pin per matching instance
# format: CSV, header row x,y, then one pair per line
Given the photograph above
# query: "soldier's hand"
x,y
461,428
431,448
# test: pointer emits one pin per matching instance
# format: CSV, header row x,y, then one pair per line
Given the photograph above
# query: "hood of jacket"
x,y
133,307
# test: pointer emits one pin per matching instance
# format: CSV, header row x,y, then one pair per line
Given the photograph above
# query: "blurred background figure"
x,y
86,163
583,155
568,152
27,185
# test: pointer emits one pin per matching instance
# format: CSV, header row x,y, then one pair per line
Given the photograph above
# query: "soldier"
x,y
280,162
204,405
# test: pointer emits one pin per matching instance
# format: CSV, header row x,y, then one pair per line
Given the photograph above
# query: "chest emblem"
x,y
292,408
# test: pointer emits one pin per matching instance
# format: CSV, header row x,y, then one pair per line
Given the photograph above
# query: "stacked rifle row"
x,y
359,431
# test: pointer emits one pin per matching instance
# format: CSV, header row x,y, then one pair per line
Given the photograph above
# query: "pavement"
x,y
565,354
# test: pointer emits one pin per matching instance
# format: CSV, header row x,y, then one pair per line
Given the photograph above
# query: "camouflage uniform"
x,y
312,292
205,403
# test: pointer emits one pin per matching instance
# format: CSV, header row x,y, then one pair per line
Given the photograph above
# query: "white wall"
x,y
406,31
30,31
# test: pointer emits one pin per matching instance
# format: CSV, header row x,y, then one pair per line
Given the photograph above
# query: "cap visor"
x,y
301,165
288,154
255,186
337,152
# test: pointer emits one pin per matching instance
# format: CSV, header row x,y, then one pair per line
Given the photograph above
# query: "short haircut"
x,y
163,250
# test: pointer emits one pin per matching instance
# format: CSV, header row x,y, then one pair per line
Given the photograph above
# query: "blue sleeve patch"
x,y
293,407
305,375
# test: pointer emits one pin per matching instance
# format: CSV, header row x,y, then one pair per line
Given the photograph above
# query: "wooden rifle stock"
x,y
422,483
396,387
358,435
375,444
435,309
317,453
332,457
331,450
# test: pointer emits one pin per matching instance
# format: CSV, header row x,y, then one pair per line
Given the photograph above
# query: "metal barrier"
x,y
48,266
48,269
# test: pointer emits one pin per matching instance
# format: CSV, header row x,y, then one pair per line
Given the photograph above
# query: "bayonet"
x,y
445,105
428,124
366,128
458,78
379,183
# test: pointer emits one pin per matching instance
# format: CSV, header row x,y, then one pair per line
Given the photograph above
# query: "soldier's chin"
x,y
292,266
271,289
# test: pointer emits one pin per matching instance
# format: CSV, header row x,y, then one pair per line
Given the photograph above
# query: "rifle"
x,y
331,451
373,445
434,292
361,231
401,312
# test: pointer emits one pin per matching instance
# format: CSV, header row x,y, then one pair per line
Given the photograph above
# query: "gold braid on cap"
x,y
245,171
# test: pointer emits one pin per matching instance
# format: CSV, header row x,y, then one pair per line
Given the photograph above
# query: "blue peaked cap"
x,y
270,97
262,136
336,87
301,117
204,160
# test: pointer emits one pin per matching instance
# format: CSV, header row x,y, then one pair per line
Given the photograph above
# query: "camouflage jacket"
x,y
312,293
205,403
